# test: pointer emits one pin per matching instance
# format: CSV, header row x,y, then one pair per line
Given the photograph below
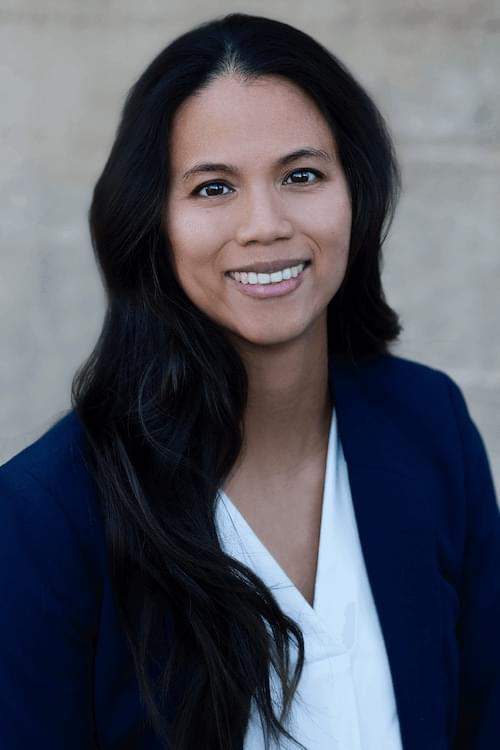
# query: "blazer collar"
x,y
396,535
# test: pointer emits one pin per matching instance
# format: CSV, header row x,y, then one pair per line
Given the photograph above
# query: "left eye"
x,y
213,189
302,175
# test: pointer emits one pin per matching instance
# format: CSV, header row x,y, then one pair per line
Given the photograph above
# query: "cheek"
x,y
187,250
195,236
193,265
341,230
333,236
332,240
329,217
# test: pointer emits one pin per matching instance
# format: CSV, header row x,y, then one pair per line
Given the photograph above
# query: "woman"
x,y
256,525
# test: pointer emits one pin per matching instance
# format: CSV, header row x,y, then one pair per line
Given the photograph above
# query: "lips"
x,y
267,286
270,266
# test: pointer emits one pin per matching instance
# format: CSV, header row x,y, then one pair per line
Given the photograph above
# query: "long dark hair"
x,y
162,396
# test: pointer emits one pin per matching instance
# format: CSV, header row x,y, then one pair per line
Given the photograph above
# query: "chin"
x,y
266,338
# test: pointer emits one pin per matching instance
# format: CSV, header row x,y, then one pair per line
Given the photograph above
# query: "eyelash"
x,y
196,191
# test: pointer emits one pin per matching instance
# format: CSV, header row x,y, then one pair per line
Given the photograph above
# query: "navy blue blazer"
x,y
429,527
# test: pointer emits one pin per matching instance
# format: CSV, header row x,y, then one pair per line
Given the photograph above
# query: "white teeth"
x,y
268,278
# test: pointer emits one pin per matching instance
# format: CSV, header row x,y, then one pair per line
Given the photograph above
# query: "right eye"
x,y
213,189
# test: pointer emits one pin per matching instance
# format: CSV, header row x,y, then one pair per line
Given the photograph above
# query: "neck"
x,y
287,418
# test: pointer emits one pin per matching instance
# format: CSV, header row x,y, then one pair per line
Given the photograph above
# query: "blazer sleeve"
x,y
48,616
479,623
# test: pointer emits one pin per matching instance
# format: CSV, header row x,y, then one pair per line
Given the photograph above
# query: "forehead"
x,y
233,118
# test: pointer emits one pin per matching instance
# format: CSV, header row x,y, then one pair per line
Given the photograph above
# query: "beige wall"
x,y
432,65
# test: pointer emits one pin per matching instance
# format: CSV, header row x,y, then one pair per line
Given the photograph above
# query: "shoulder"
x,y
47,486
403,412
56,452
426,395
388,387
54,460
388,373
53,586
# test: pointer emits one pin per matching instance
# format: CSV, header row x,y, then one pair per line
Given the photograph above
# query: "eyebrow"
x,y
299,153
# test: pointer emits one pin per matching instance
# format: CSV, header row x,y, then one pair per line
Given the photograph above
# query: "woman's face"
x,y
256,187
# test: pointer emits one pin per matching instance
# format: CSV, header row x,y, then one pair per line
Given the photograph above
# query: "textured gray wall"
x,y
433,66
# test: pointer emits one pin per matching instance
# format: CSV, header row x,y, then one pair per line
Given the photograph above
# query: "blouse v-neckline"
x,y
345,700
330,620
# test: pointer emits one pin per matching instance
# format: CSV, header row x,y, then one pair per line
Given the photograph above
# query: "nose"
x,y
262,219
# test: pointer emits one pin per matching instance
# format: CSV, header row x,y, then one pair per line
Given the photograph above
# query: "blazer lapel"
x,y
397,539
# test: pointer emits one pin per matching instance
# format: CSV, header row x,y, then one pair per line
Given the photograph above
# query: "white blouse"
x,y
345,699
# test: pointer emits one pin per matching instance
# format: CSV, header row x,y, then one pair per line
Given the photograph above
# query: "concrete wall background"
x,y
433,67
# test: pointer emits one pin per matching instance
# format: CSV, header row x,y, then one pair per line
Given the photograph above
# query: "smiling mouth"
x,y
254,277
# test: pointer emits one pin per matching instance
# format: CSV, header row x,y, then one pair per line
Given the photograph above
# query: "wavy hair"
x,y
162,410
